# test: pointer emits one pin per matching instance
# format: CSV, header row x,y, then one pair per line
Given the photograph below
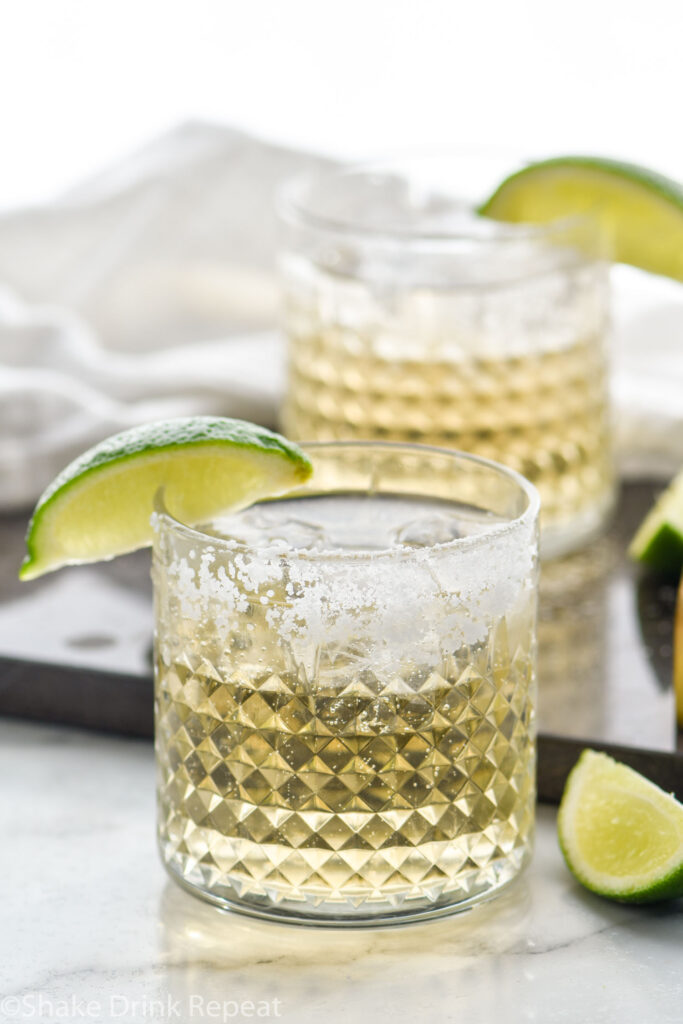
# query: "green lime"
x,y
659,540
100,505
621,836
641,211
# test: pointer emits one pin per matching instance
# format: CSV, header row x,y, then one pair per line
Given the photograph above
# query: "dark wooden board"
x,y
114,703
68,695
557,755
75,649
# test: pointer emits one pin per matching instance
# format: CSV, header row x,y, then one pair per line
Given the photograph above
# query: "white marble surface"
x,y
91,929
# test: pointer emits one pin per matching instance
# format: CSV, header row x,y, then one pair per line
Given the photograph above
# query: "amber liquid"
x,y
345,789
439,372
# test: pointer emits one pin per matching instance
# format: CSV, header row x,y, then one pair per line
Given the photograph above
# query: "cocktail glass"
x,y
345,685
410,318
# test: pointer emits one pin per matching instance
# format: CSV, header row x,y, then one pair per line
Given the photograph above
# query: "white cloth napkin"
x,y
151,292
146,293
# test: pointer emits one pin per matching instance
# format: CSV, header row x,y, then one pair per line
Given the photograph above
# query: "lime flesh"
x,y
621,836
100,505
659,540
640,211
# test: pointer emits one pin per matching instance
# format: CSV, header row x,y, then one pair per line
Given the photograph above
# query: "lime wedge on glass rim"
x,y
659,540
100,505
641,211
621,836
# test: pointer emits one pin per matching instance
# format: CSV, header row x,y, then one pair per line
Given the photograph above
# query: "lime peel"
x,y
621,836
100,505
659,539
641,210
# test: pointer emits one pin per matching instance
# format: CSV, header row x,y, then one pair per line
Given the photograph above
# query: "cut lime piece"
x,y
641,211
678,655
621,836
100,505
659,540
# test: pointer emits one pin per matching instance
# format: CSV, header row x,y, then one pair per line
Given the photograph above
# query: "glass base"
x,y
362,916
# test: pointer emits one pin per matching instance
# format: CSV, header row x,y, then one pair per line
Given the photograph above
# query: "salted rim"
x,y
291,206
528,515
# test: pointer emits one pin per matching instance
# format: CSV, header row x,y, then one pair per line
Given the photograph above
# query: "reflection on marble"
x,y
88,914
572,640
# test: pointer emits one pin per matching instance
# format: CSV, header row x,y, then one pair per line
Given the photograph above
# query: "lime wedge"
x,y
659,540
100,505
678,655
621,836
641,211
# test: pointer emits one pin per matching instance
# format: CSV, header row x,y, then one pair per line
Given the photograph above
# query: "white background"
x,y
84,81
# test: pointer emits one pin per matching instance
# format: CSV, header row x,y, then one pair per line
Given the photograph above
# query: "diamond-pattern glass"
x,y
272,790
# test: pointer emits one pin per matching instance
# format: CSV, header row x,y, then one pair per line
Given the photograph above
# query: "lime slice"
x,y
641,211
621,836
659,540
100,505
678,655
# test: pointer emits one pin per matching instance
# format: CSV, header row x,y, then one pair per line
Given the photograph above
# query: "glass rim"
x,y
291,207
528,515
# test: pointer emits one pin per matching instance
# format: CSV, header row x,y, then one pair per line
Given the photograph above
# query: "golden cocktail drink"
x,y
345,690
409,318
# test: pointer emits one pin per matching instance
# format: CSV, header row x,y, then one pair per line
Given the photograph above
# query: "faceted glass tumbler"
x,y
345,734
412,319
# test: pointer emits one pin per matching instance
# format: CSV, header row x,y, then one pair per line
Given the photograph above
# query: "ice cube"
x,y
428,530
261,527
